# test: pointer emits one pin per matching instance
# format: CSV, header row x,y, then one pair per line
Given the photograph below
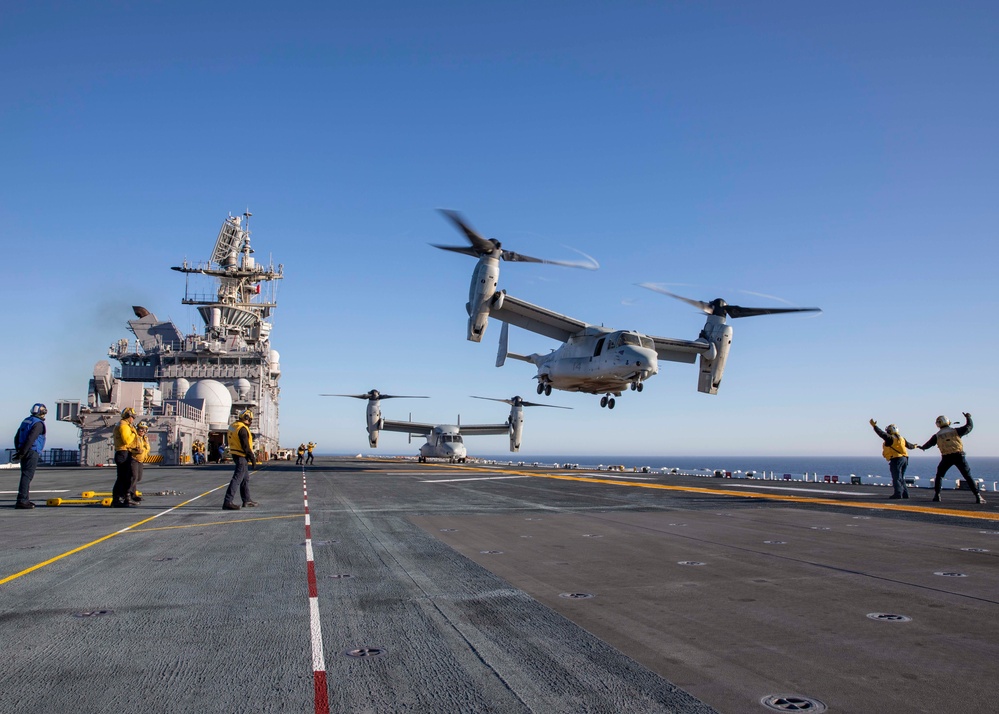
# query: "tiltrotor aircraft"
x,y
592,358
444,441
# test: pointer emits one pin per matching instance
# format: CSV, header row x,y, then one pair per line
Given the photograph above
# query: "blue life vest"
x,y
25,429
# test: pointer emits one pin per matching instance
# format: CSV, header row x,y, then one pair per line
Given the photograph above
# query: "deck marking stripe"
x,y
321,692
104,538
483,478
867,505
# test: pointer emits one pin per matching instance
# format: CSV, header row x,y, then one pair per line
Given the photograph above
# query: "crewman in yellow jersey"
x,y
948,440
140,451
301,454
241,451
309,459
896,453
124,443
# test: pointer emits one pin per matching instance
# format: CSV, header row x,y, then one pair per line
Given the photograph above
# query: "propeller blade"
x,y
484,246
735,311
702,306
374,394
722,309
521,258
479,244
457,249
538,404
517,401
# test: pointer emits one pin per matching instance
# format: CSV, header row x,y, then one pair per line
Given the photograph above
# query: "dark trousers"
x,y
136,476
29,462
959,460
897,467
240,482
308,459
123,463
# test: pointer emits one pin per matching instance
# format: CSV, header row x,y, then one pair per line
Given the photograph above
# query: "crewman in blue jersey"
x,y
896,454
948,440
29,442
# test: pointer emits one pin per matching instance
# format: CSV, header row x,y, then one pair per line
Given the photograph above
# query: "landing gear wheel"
x,y
548,390
541,387
603,401
641,386
610,403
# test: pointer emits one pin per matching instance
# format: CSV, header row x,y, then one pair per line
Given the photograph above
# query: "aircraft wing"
x,y
483,429
520,313
675,350
408,427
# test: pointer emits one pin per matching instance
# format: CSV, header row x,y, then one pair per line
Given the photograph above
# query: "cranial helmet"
x,y
247,415
39,410
127,412
943,421
142,424
892,429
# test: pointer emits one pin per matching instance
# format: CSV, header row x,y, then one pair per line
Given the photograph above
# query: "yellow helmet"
x,y
127,413
246,415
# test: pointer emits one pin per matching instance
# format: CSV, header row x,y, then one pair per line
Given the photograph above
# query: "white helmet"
x,y
892,429
942,421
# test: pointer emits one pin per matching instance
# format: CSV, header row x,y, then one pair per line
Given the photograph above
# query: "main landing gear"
x,y
545,388
607,401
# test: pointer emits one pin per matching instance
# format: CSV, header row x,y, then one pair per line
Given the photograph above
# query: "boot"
x,y
979,498
936,496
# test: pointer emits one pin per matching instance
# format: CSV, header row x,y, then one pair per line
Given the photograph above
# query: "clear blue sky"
x,y
841,155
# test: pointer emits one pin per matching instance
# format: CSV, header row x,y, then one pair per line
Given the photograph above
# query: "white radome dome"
x,y
217,402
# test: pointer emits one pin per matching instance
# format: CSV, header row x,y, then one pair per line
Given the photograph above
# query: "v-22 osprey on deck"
x,y
444,441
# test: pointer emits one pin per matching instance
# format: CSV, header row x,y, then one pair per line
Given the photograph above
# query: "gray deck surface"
x,y
703,594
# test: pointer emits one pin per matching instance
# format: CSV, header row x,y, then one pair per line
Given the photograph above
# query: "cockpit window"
x,y
628,338
648,342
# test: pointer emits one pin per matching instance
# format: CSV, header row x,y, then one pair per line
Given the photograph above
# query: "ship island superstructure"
x,y
190,388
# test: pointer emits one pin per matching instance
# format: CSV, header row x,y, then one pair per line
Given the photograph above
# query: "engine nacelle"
x,y
516,427
719,336
374,419
480,292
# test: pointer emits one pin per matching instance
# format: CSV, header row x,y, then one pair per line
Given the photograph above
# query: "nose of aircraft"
x,y
642,358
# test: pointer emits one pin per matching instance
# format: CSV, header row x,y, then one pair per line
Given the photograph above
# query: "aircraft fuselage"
x,y
599,361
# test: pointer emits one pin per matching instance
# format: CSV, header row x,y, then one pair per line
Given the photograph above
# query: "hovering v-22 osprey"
x,y
592,358
444,441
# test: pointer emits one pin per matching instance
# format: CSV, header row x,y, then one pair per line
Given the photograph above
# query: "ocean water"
x,y
871,469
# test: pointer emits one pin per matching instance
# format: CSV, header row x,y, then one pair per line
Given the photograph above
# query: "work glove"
x,y
15,457
873,423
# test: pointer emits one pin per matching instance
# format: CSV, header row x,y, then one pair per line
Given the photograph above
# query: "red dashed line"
x,y
318,663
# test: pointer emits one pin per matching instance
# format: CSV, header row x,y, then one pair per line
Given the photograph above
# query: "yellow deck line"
x,y
68,553
215,523
881,506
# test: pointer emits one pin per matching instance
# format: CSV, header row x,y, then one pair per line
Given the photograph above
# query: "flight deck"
x,y
388,585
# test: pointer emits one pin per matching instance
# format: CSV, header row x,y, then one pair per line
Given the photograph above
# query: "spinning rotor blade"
x,y
488,246
517,401
375,394
722,309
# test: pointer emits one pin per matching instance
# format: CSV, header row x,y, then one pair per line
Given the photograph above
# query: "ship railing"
x,y
55,457
177,407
